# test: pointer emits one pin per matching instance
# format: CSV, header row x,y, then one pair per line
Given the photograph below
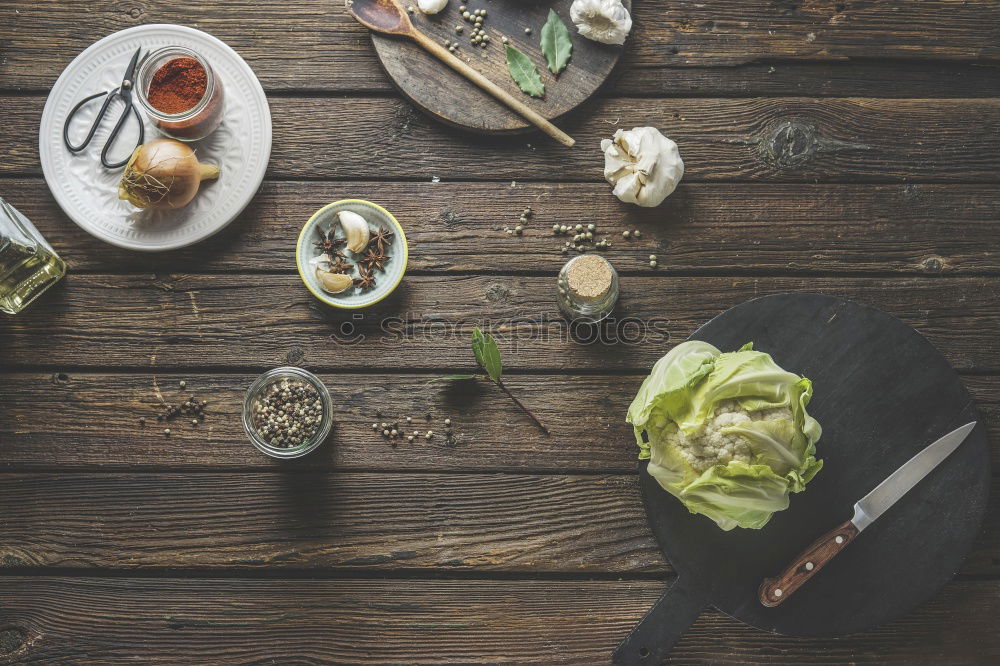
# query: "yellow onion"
x,y
163,174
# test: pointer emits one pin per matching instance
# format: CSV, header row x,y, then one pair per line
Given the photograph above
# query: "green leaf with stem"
x,y
488,357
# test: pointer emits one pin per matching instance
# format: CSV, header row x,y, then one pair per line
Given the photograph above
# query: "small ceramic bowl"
x,y
325,219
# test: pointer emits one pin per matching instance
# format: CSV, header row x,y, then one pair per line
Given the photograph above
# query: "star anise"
x,y
366,281
330,245
341,266
381,238
373,260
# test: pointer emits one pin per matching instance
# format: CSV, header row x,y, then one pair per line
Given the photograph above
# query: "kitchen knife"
x,y
869,508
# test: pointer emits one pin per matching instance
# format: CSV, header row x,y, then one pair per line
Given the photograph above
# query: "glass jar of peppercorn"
x,y
180,93
287,412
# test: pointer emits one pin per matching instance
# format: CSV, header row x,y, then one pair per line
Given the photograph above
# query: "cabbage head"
x,y
726,434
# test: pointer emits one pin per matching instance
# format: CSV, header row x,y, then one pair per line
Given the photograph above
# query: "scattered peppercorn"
x,y
191,407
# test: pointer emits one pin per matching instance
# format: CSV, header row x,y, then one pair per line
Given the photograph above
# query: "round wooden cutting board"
x,y
444,94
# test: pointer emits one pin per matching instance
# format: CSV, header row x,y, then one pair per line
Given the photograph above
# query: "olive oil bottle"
x,y
28,265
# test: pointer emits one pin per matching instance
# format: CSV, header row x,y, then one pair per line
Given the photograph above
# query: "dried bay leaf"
x,y
523,71
487,354
557,43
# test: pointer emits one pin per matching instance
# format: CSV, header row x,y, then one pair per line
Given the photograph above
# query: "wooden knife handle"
x,y
775,590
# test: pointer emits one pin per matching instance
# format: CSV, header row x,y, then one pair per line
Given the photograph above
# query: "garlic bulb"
x,y
643,165
333,282
356,229
605,21
431,6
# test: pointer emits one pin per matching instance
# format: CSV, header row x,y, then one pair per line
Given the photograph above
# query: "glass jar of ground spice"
x,y
588,288
180,93
287,412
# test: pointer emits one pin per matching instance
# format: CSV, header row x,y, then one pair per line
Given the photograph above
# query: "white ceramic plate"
x,y
88,192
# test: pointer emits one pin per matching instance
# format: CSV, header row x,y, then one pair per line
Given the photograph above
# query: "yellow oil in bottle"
x,y
25,272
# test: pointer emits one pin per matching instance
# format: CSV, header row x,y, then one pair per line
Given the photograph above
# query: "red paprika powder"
x,y
177,86
181,93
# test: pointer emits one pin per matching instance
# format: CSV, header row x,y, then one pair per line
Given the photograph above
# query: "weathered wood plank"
x,y
742,228
254,321
454,522
113,621
792,78
265,521
774,139
41,37
776,78
86,421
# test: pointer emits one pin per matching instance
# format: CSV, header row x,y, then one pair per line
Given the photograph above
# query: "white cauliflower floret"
x,y
710,446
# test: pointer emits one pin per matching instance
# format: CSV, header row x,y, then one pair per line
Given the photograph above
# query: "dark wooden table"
x,y
851,148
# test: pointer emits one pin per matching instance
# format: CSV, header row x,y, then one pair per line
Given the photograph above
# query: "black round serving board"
x,y
881,393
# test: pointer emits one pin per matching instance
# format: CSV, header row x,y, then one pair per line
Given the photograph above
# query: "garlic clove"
x,y
356,229
334,283
431,6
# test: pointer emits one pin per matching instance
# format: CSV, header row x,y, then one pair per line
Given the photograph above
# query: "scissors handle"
x,y
129,108
93,128
114,137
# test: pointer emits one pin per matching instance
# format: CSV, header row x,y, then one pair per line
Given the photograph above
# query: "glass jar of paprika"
x,y
180,93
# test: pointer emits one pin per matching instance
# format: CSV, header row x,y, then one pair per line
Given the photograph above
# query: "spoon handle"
x,y
459,66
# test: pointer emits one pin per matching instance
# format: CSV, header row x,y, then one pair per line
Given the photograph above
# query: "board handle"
x,y
773,591
668,619
505,97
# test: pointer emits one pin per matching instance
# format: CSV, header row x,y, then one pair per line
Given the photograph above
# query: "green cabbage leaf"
x,y
726,433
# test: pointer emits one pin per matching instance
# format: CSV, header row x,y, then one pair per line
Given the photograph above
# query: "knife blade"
x,y
887,493
866,510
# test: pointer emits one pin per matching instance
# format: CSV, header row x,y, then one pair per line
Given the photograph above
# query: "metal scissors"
x,y
123,92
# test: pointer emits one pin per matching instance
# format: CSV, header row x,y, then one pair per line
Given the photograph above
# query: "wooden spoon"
x,y
389,17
